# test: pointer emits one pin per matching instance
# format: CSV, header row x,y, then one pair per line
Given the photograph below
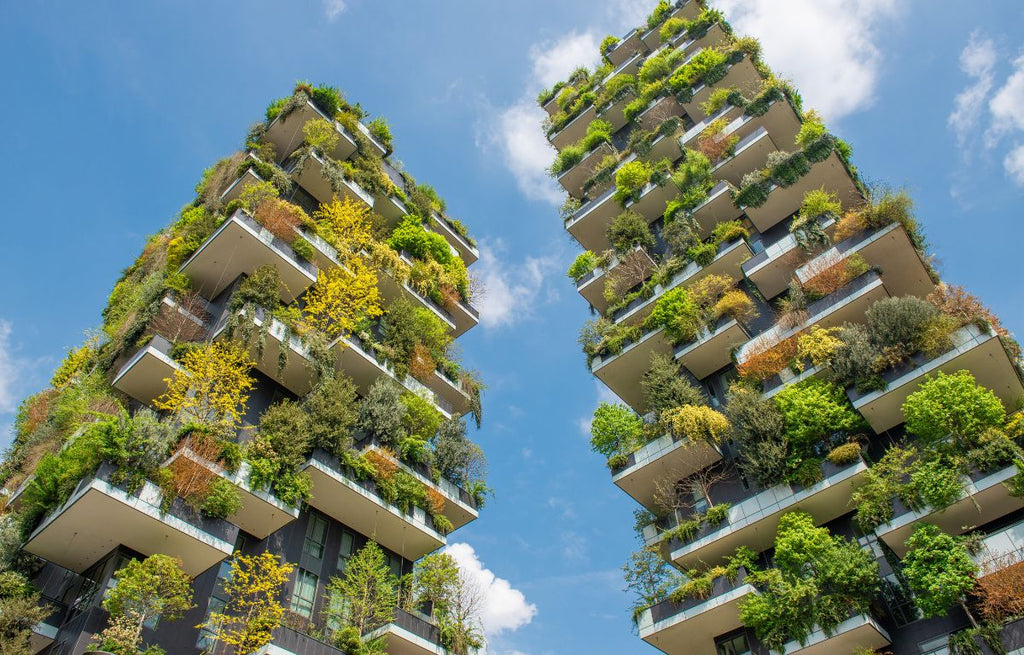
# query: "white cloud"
x,y
1014,164
604,395
827,47
504,609
333,8
555,60
1007,101
10,371
512,292
629,13
977,61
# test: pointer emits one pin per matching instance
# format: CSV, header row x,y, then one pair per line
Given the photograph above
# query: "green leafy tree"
x,y
813,410
333,410
939,571
366,596
155,588
649,577
456,600
615,430
20,610
678,313
952,405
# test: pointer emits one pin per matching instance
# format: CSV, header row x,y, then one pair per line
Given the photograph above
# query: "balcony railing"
x,y
859,633
144,376
664,458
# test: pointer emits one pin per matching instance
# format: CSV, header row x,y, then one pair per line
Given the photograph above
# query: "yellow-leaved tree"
x,y
342,296
253,610
345,224
211,386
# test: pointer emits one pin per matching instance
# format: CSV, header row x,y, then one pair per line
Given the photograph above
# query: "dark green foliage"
x,y
408,327
382,413
900,322
328,99
938,570
287,429
995,451
304,249
757,428
665,388
628,230
261,289
856,361
222,500
333,409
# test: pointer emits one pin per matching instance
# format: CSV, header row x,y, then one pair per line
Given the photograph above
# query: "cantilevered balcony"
x,y
627,47
742,75
629,67
780,120
591,285
657,111
652,200
730,257
44,633
713,37
665,458
684,9
1002,547
247,178
313,177
846,304
986,498
717,208
712,348
285,132
859,633
729,113
750,153
410,634
590,222
783,202
614,111
459,506
622,372
888,249
974,349
753,521
144,376
690,627
337,493
241,245
575,129
390,208
261,513
573,178
772,268
466,250
71,537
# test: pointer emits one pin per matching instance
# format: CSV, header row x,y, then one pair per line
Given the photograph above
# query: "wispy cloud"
x,y
827,47
503,608
10,371
513,291
977,61
333,8
603,395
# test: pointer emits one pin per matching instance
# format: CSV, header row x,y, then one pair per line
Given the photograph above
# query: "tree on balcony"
x,y
20,610
211,387
364,598
939,571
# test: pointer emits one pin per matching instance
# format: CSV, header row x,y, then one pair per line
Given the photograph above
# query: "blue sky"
x,y
113,111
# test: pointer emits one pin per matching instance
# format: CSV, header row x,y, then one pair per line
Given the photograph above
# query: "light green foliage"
x,y
439,580
260,289
937,483
814,409
381,131
20,612
813,128
630,179
149,590
409,330
608,44
421,419
660,14
678,313
938,570
222,500
584,263
952,405
649,577
882,483
819,581
366,596
413,238
727,231
615,430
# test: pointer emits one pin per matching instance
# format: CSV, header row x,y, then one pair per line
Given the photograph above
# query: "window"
x,y
316,536
394,563
304,593
736,644
938,646
206,635
348,549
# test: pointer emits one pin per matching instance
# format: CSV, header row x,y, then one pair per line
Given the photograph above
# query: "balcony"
x,y
690,627
753,522
888,249
659,110
314,178
974,349
685,9
718,207
247,178
144,377
44,633
750,153
262,513
590,222
572,179
985,499
665,147
780,121
409,634
772,268
652,200
728,113
390,208
741,75
70,536
575,129
1006,544
466,250
622,372
338,494
856,634
665,458
845,305
785,201
289,641
627,47
459,506
712,349
628,67
285,133
730,257
712,38
241,245
591,286
614,112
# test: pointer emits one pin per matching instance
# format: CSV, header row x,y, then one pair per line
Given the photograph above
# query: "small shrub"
x,y
304,249
717,514
818,346
321,135
584,264
995,451
629,230
763,364
829,276
381,131
665,388
815,409
703,253
938,484
223,500
813,128
630,180
727,231
736,305
848,453
677,312
900,322
808,472
697,423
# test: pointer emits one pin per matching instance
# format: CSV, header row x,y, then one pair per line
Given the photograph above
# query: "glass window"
x,y
316,536
394,563
304,593
206,635
938,646
734,645
348,548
